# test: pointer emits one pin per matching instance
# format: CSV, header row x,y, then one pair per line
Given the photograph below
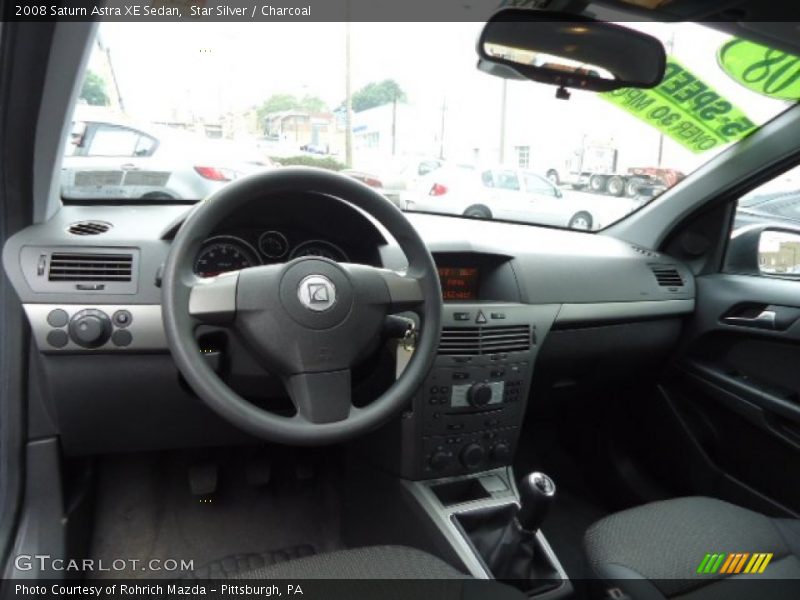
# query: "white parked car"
x,y
397,177
515,195
118,161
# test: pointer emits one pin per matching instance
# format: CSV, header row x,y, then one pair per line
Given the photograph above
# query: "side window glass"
x,y
427,166
774,201
772,213
76,138
113,141
487,179
145,146
536,185
508,180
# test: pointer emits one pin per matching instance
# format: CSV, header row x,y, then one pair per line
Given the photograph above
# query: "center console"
x,y
457,494
494,528
467,416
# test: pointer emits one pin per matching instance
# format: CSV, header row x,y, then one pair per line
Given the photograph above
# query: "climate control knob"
x,y
479,394
90,328
501,452
472,455
439,461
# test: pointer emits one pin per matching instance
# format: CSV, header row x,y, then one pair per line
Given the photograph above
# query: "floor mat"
x,y
233,566
145,511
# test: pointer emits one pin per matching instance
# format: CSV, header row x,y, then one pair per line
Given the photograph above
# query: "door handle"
x,y
129,167
763,320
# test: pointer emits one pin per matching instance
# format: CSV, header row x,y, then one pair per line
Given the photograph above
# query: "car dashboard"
x,y
89,282
288,227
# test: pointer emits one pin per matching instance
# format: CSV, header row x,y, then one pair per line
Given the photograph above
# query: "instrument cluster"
x,y
224,253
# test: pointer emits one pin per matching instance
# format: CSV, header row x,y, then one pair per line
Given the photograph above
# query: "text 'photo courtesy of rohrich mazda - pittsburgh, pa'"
x,y
352,299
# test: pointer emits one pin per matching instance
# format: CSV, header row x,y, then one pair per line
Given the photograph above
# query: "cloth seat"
x,y
371,573
371,562
654,551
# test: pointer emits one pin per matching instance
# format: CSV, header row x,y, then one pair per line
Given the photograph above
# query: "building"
x,y
394,130
317,132
241,124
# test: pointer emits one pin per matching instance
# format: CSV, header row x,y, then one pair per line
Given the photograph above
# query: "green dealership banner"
x,y
764,70
686,109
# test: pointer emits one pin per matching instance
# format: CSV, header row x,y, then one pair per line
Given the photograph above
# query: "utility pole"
x,y
348,110
394,124
107,54
441,129
503,107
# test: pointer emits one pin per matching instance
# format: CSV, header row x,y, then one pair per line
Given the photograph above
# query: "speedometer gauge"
x,y
223,254
320,248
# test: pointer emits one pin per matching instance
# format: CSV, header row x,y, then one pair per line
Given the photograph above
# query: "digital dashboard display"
x,y
459,283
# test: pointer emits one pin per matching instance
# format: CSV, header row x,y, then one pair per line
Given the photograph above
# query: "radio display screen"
x,y
459,283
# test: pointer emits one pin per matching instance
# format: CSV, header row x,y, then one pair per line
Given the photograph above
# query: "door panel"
x,y
736,384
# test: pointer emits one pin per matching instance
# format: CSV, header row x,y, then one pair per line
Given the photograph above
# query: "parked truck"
x,y
596,169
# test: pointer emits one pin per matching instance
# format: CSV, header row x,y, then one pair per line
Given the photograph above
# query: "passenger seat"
x,y
657,551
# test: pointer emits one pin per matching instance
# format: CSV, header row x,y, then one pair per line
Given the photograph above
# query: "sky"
x,y
221,67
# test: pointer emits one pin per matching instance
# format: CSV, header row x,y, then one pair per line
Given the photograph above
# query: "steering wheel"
x,y
309,321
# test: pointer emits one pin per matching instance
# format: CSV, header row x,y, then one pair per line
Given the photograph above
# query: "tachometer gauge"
x,y
320,248
224,253
273,244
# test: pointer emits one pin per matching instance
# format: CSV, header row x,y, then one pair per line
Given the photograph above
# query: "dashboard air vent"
x,y
69,266
89,227
474,341
667,276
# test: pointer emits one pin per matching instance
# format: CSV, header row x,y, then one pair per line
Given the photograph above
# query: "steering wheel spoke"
x,y
397,292
324,397
405,291
213,301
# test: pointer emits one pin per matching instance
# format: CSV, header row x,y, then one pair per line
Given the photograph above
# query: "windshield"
x,y
200,105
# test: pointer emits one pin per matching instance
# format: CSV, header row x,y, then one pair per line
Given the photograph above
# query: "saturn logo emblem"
x,y
317,293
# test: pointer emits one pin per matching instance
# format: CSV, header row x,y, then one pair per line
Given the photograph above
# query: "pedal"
x,y
259,471
203,479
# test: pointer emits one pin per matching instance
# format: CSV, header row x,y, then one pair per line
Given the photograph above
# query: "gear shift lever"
x,y
506,537
536,493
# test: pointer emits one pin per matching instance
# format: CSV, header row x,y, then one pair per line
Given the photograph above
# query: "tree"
x,y
313,104
282,102
377,94
94,90
277,103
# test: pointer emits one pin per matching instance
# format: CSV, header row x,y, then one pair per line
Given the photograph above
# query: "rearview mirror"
x,y
569,51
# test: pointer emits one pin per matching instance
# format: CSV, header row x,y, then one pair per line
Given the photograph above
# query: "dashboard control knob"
x,y
122,338
57,318
501,452
479,394
122,318
472,455
439,461
90,328
57,338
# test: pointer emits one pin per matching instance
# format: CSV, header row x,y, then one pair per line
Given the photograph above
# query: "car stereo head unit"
x,y
467,416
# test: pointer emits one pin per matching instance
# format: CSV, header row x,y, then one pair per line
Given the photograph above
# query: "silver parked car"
x,y
118,161
396,177
512,194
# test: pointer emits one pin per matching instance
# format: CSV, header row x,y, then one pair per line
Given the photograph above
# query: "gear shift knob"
x,y
536,493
